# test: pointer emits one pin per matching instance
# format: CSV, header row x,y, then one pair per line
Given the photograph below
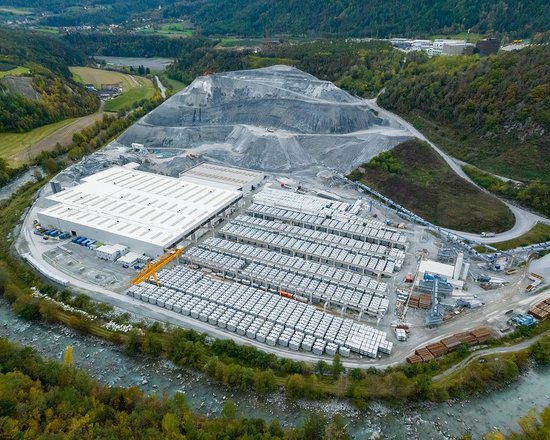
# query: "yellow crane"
x,y
151,269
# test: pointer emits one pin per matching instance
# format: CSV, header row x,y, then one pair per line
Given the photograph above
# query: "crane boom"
x,y
150,270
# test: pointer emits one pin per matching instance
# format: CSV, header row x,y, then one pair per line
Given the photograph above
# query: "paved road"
x,y
525,220
509,349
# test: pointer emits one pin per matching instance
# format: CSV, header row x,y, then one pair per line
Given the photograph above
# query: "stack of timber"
x,y
425,354
482,334
448,344
541,311
451,342
414,301
414,359
437,349
425,301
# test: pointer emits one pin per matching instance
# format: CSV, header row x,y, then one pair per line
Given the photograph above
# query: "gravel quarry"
x,y
275,119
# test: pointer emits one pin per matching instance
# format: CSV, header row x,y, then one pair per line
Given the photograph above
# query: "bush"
x,y
27,307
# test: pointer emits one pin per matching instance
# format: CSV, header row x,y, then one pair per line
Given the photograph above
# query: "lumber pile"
x,y
425,354
448,344
437,349
541,311
425,301
451,342
414,301
414,359
482,334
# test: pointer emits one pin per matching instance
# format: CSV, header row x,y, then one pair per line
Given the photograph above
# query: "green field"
x,y
170,30
175,84
235,42
471,37
135,88
176,29
48,30
17,71
15,10
145,91
13,143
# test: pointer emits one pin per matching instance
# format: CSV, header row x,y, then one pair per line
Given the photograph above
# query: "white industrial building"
x,y
146,212
111,252
454,274
225,177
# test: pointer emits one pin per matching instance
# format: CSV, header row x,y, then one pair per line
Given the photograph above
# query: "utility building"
x,y
146,212
225,177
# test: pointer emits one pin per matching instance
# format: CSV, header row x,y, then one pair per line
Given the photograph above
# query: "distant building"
x,y
488,46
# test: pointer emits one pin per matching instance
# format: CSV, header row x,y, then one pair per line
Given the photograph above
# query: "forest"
x,y
491,112
21,47
129,45
312,17
60,98
44,399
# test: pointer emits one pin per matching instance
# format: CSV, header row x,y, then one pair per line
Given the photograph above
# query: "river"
x,y
107,363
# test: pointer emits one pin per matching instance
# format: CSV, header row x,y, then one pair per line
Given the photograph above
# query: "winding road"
x,y
525,220
481,353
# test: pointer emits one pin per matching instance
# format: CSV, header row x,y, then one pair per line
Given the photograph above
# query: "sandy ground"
x,y
64,136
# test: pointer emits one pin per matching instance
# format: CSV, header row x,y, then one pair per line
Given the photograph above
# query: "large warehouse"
x,y
146,212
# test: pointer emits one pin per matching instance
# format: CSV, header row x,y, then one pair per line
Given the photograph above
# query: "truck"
x,y
488,234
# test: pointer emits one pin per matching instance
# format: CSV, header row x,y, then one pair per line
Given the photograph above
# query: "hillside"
x,y
39,90
416,177
491,112
350,18
21,47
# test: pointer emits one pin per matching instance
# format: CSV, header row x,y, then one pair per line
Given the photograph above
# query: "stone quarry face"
x,y
273,119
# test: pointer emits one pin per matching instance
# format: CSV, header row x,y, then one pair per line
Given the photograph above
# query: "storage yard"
x,y
300,262
285,270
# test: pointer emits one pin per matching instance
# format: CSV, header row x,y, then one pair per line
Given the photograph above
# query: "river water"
x,y
108,364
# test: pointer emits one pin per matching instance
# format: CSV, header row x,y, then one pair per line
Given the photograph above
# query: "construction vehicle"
x,y
150,270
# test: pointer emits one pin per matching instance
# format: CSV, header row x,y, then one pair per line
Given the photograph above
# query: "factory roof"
x,y
139,205
226,177
435,267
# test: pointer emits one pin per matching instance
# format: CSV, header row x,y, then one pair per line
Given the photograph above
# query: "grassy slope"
x,y
13,143
17,71
428,187
491,112
134,88
525,163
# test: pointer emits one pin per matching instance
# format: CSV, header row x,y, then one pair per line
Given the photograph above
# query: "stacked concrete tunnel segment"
x,y
260,315
285,275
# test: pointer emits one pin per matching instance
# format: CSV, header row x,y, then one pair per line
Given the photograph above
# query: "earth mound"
x,y
274,119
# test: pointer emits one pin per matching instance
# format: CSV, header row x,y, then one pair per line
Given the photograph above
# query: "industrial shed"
x,y
146,212
224,177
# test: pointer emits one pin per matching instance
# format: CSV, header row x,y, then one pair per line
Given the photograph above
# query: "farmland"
x,y
12,144
134,88
169,29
